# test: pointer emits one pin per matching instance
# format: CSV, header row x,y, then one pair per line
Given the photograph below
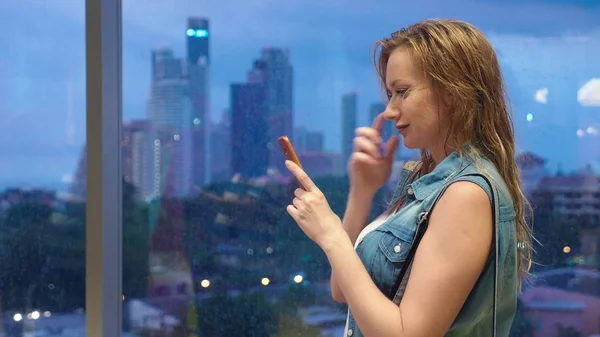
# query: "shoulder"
x,y
461,222
463,214
485,174
465,195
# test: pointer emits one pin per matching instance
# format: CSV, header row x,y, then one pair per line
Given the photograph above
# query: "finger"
x,y
299,193
302,177
297,203
363,158
372,134
361,144
293,212
378,122
392,147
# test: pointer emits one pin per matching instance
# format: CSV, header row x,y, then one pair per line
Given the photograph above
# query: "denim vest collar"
x,y
451,165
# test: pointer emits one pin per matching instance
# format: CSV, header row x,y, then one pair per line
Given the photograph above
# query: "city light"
x,y
205,283
298,278
18,317
35,315
566,249
197,32
265,281
529,117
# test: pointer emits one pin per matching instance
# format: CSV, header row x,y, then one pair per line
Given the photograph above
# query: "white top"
x,y
368,229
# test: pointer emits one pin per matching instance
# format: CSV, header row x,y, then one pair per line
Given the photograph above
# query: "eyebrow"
x,y
395,83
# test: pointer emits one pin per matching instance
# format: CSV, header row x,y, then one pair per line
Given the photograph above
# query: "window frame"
x,y
103,40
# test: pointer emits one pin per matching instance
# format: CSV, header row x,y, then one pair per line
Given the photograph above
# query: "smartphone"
x,y
288,150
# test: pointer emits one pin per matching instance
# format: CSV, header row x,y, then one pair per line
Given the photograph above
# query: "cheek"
x,y
425,123
417,113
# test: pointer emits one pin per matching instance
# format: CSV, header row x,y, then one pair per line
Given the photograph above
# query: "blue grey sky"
x,y
549,47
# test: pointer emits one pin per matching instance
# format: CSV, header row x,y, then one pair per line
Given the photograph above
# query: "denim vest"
x,y
383,251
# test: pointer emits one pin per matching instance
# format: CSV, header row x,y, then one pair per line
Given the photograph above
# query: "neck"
x,y
439,153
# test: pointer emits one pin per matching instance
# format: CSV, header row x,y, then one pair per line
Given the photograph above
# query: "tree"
x,y
553,232
567,331
42,252
245,315
299,295
42,261
292,326
136,244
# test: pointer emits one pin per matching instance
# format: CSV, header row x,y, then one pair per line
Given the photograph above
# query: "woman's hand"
x,y
311,211
369,167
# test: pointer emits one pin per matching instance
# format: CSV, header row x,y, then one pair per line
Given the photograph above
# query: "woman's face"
x,y
414,106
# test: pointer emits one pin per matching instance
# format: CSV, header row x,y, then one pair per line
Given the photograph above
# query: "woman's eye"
x,y
401,92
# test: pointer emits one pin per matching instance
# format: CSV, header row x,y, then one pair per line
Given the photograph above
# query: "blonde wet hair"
x,y
459,61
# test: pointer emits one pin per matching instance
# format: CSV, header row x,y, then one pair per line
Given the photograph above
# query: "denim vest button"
x,y
350,332
397,248
410,190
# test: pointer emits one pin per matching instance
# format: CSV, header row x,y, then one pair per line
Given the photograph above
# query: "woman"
x,y
446,98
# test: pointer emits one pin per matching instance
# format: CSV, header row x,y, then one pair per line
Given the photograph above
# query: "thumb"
x,y
391,147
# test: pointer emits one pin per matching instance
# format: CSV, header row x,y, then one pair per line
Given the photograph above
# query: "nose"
x,y
391,112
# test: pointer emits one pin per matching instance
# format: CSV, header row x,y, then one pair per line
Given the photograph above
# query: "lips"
x,y
401,128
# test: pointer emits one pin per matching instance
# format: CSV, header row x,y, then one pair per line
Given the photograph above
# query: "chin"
x,y
409,144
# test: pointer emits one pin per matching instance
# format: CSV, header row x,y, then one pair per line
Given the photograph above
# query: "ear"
x,y
446,98
443,96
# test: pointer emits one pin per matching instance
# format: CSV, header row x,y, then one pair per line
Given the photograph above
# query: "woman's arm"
x,y
355,219
446,266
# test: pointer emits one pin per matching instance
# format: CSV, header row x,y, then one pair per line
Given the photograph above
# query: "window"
x,y
208,91
42,175
193,172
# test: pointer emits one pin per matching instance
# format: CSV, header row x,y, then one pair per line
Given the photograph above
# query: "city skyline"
x,y
198,231
327,67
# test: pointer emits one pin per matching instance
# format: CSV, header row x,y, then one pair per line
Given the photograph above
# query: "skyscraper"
x,y
198,64
169,110
274,71
308,140
249,130
164,65
315,141
136,163
349,112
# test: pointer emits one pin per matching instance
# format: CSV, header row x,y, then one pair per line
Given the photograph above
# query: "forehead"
x,y
401,68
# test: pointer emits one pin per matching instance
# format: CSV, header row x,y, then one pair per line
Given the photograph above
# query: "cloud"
x,y
66,178
589,93
541,95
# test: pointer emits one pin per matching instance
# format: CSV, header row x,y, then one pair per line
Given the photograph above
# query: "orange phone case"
x,y
288,150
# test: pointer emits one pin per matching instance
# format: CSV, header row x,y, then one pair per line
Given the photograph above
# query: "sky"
x,y
549,51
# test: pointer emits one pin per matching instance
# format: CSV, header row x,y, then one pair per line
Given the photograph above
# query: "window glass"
x,y
208,248
42,170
